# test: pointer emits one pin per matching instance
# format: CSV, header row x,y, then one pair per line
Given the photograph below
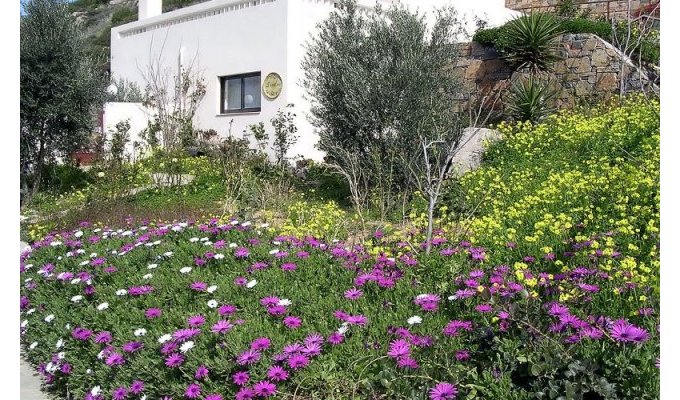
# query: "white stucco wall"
x,y
222,42
228,37
136,114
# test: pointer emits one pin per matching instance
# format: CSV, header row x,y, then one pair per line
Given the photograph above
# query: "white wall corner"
x,y
150,8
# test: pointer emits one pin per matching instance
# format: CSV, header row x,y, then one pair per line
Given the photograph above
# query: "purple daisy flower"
x,y
226,309
152,313
132,347
241,252
399,348
196,320
213,396
297,361
623,331
248,357
264,388
353,293
114,359
240,378
277,373
103,337
292,322
193,391
288,267
222,326
443,391
174,360
407,362
201,372
335,338
137,387
262,343
245,394
119,393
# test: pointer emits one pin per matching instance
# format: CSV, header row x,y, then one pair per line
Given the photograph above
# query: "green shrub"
x,y
62,178
531,99
532,41
584,25
123,16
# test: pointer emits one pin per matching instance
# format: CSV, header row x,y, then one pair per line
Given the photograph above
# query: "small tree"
x,y
285,134
174,96
61,89
372,79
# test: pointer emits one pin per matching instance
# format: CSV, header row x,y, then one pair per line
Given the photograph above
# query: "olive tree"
x,y
378,83
60,87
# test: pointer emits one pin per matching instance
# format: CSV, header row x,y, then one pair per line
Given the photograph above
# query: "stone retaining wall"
x,y
617,9
590,68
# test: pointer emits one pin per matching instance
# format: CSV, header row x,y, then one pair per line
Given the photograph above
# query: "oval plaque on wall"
x,y
272,86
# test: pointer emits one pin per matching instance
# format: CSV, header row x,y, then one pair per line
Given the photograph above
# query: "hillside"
x,y
97,17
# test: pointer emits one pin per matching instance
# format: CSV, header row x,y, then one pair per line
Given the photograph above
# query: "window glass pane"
x,y
233,94
251,98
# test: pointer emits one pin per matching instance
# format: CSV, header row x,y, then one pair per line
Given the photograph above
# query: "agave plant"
x,y
531,41
531,99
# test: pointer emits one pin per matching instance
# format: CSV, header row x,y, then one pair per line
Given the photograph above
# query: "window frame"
x,y
241,77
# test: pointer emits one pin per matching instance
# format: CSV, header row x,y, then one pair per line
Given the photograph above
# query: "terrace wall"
x,y
590,68
617,9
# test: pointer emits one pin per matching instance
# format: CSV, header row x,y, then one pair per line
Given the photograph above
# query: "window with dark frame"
x,y
240,93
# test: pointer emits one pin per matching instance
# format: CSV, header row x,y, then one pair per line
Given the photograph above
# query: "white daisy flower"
x,y
95,391
60,344
168,254
76,299
204,239
157,242
264,226
33,345
194,240
103,306
75,281
247,223
208,243
28,280
93,255
212,303
100,355
251,284
452,298
61,355
88,371
164,338
84,263
97,230
414,320
176,228
80,251
234,222
186,346
138,244
24,323
273,251
343,329
183,224
67,327
143,397
51,367
140,332
121,292
218,256
147,276
28,266
232,245
59,258
285,302
31,311
126,233
55,243
421,296
211,289
148,244
78,234
69,254
143,228
185,270
276,243
152,266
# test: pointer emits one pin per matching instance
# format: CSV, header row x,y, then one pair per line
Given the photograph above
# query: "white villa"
x,y
249,52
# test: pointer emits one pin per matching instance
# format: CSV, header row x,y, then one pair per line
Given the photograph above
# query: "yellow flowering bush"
x,y
569,178
321,220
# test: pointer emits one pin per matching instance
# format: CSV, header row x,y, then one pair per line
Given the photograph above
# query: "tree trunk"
x,y
39,162
430,222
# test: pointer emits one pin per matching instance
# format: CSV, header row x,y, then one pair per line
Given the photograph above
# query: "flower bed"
x,y
555,292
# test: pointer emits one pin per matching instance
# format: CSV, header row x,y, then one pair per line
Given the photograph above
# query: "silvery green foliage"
x,y
61,90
